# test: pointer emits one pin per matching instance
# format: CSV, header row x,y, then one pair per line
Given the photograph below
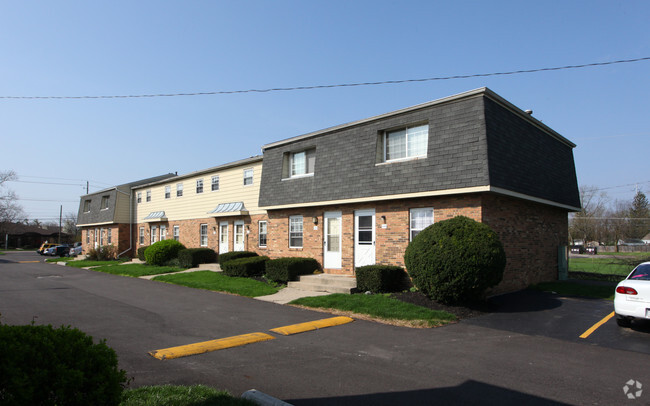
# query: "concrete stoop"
x,y
325,283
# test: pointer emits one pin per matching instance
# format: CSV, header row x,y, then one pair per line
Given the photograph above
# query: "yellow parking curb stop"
x,y
312,325
207,346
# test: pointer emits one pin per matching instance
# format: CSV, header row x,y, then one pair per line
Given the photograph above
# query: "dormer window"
x,y
104,203
300,163
406,143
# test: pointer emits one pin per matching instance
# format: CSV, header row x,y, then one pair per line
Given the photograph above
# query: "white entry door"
x,y
364,237
223,237
332,240
239,236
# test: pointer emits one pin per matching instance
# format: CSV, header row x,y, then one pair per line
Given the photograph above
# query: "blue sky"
x,y
78,48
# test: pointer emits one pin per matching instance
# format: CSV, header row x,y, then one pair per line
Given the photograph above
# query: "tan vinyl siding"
x,y
122,208
192,205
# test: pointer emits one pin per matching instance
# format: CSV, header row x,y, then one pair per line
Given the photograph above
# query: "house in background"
x,y
214,208
357,193
19,235
106,217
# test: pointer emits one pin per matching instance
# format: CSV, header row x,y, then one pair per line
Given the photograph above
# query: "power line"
x,y
46,177
385,82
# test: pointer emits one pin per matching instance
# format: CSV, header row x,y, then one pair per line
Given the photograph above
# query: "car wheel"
x,y
623,321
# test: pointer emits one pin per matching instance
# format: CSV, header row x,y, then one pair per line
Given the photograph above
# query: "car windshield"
x,y
642,272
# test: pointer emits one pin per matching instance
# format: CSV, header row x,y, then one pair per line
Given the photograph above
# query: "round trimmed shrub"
x,y
141,251
455,261
162,251
46,366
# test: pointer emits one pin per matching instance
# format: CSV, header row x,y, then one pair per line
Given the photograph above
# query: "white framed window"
x,y
104,203
215,183
295,232
204,235
302,163
96,236
420,219
86,206
179,189
109,236
154,234
101,237
177,233
199,186
410,142
87,237
139,199
148,195
262,233
168,192
248,177
163,232
141,236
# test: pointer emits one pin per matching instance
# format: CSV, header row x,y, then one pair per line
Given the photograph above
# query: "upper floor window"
x,y
199,186
420,219
148,195
104,202
215,183
179,189
139,197
86,206
248,177
168,192
410,142
303,162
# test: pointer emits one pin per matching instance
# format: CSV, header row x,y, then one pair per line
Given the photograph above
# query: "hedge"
x,y
245,267
228,256
380,278
192,257
162,251
141,251
46,366
288,269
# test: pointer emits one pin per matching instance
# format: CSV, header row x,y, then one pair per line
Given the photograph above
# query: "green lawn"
x,y
136,270
578,288
381,307
86,263
169,395
602,265
216,281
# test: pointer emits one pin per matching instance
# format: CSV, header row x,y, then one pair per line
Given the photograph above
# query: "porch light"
x,y
314,220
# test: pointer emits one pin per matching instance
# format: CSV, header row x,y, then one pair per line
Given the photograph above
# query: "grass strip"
x,y
381,307
576,288
86,263
59,259
607,265
172,395
218,282
137,270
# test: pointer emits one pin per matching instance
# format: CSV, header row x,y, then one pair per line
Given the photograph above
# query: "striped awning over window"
x,y
156,216
229,209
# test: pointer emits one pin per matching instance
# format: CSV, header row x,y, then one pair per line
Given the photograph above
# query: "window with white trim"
x,y
87,236
154,234
177,233
295,232
248,177
86,206
179,189
302,163
109,236
199,186
163,232
262,233
148,195
168,192
204,235
141,236
215,183
101,237
420,219
104,203
139,200
406,143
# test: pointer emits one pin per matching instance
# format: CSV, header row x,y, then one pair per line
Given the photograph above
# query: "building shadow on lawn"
x,y
468,393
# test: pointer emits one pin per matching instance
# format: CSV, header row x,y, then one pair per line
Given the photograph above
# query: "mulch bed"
x,y
462,312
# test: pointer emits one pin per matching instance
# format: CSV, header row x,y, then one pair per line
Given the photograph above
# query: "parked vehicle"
x,y
45,246
58,250
75,250
632,297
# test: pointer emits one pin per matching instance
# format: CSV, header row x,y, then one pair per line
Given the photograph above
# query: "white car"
x,y
632,297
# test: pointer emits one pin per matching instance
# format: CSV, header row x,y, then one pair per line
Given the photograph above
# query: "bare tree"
x,y
70,225
588,224
10,210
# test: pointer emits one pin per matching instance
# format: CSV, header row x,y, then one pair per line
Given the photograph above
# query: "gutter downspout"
x,y
130,194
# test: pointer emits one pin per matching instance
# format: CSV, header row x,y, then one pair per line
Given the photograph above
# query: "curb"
x,y
263,399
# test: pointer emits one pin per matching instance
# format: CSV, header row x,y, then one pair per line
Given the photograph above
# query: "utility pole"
x,y
87,187
60,221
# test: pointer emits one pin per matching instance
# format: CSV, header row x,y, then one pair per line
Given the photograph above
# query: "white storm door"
x,y
332,240
239,236
223,237
364,237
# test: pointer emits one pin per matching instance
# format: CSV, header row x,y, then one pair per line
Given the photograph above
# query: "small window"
x,y
410,142
179,189
295,232
177,233
154,234
139,197
420,219
215,183
101,237
141,236
148,195
163,232
248,177
104,202
302,163
86,206
199,186
262,234
168,192
204,235
87,236
109,236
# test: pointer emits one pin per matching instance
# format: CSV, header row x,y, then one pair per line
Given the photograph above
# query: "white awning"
x,y
229,209
156,216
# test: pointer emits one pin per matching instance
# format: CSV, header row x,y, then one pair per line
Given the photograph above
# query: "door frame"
x,y
227,243
331,259
357,246
243,235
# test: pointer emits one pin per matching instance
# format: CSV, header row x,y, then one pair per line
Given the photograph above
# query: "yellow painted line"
x,y
28,262
595,326
312,325
212,345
